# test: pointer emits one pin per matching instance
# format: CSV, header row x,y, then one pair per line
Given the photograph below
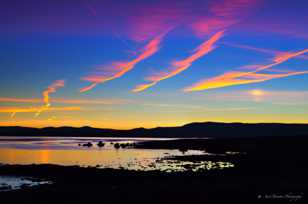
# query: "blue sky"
x,y
79,41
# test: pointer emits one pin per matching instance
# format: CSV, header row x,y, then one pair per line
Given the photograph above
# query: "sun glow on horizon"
x,y
257,92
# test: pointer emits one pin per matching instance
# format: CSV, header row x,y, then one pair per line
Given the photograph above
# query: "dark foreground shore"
x,y
269,170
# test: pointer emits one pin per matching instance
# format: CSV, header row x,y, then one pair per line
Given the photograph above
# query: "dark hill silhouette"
x,y
192,130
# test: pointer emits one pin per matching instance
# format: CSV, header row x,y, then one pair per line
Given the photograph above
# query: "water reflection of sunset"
x,y
67,152
44,156
74,157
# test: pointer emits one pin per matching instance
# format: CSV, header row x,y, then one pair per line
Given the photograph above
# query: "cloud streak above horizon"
x,y
181,65
120,68
232,78
261,50
50,89
222,15
66,101
36,109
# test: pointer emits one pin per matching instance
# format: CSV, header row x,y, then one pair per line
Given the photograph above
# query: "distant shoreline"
x,y
191,130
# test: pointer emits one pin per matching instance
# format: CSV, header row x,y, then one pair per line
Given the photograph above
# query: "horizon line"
x,y
87,126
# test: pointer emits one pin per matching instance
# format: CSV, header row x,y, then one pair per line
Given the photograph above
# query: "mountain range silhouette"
x,y
191,130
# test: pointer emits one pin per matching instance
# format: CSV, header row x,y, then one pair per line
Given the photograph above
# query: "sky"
x,y
131,63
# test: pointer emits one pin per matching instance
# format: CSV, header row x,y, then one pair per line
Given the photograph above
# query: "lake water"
x,y
69,151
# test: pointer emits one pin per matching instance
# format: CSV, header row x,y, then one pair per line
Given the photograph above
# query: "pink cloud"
x,y
262,50
232,78
104,101
181,65
120,68
222,15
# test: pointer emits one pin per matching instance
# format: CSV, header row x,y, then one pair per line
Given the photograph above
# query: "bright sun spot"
x,y
257,95
257,92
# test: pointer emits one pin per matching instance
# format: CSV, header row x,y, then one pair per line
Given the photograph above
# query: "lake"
x,y
70,151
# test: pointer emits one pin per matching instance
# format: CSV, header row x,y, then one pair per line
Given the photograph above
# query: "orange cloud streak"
x,y
20,100
36,109
239,77
50,89
65,101
150,49
181,65
13,114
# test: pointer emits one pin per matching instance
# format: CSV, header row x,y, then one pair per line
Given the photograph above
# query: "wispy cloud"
x,y
20,100
36,109
47,122
66,101
120,68
261,50
50,89
232,78
223,14
181,65
155,18
13,114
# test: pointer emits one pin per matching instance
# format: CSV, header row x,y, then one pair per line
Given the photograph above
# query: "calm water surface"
x,y
66,151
